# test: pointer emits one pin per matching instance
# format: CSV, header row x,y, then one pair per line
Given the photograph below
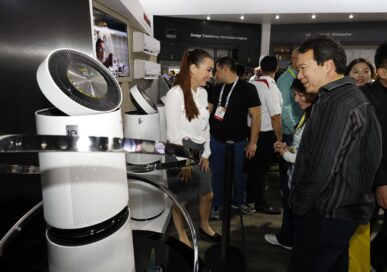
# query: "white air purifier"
x,y
142,126
146,202
77,84
163,122
108,254
143,123
85,194
81,189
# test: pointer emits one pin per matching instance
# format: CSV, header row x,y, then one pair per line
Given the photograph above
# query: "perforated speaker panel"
x,y
81,189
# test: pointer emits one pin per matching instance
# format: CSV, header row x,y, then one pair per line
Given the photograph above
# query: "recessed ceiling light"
x,y
242,17
277,17
208,17
350,16
313,16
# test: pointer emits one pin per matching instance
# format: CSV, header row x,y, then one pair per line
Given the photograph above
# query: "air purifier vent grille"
x,y
84,80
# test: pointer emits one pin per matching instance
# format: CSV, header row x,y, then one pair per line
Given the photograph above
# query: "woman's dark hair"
x,y
360,60
98,48
183,79
98,43
109,61
297,86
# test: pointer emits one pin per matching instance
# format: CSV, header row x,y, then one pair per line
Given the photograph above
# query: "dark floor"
x,y
246,233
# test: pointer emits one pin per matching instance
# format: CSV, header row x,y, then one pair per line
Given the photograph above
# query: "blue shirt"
x,y
291,112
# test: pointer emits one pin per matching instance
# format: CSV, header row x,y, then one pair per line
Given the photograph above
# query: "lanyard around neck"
x,y
291,72
302,121
229,94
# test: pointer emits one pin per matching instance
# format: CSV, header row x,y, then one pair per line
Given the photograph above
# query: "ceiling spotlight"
x,y
277,17
314,16
242,17
350,16
208,17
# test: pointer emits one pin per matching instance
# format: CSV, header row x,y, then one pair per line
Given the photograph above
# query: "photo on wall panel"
x,y
111,43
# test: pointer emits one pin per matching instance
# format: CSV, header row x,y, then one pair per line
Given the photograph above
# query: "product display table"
x,y
152,251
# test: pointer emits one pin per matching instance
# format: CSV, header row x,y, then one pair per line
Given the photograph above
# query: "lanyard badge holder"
x,y
221,111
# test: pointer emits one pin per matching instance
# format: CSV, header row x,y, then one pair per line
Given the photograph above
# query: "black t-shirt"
x,y
234,124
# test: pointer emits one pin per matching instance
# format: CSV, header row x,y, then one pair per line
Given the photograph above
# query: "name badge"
x,y
219,113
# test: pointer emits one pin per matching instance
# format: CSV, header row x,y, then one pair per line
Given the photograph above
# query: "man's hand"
x,y
185,173
205,164
381,196
250,150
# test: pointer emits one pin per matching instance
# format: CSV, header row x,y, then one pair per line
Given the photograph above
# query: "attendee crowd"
x,y
322,119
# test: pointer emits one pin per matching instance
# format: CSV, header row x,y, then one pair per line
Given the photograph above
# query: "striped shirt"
x,y
339,154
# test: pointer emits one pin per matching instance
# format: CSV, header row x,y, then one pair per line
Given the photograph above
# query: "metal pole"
x,y
228,180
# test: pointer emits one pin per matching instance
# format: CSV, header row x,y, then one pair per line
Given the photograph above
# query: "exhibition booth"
x,y
83,148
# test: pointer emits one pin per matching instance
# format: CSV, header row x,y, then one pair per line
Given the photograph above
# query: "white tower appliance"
x,y
146,202
85,195
163,123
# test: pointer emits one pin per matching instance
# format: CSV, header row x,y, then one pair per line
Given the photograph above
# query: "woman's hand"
x,y
205,164
185,173
280,147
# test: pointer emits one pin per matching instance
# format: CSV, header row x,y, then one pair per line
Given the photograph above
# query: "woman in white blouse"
x,y
187,115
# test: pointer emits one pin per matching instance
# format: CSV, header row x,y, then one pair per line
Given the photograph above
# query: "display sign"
x,y
331,34
347,33
239,40
216,36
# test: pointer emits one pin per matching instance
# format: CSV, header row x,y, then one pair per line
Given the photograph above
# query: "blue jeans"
x,y
218,156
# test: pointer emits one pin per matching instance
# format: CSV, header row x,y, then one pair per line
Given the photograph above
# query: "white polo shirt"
x,y
271,101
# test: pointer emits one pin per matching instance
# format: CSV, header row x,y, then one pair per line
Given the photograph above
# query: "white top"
x,y
291,156
271,101
178,126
